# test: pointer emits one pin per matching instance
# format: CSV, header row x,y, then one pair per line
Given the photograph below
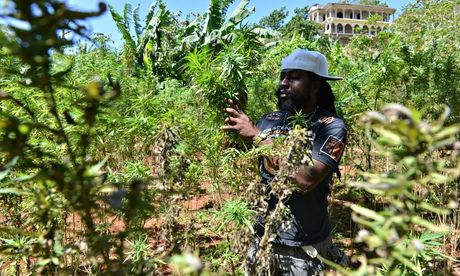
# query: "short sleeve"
x,y
329,143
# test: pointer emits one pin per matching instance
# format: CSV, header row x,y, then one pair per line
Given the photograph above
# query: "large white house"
x,y
345,20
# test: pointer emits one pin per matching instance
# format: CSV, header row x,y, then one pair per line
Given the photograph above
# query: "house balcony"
x,y
348,26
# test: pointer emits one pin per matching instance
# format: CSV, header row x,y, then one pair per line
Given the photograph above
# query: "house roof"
x,y
354,7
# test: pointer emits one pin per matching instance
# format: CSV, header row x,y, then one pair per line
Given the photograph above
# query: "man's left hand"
x,y
238,121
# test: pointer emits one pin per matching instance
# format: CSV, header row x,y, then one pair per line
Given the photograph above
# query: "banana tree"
x,y
145,45
215,29
160,45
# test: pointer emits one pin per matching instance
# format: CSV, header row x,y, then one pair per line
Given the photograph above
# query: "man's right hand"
x,y
238,121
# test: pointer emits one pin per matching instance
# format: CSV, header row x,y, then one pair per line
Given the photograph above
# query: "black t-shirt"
x,y
308,222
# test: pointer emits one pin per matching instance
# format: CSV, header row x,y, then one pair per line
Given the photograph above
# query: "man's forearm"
x,y
307,178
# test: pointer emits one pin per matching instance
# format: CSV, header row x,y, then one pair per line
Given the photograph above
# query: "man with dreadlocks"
x,y
302,89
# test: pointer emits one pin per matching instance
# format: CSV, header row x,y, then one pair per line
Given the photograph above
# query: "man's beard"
x,y
291,104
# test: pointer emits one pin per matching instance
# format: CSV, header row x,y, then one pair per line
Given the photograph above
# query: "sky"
x,y
105,24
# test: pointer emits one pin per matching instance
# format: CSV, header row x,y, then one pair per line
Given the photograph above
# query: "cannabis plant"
x,y
46,139
401,238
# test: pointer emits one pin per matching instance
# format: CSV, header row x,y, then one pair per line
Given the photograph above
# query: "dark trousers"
x,y
288,260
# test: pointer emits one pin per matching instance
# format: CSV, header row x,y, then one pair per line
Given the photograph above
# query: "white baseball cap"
x,y
310,61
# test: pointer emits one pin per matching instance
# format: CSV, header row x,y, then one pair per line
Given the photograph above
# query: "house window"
x,y
348,29
365,30
339,28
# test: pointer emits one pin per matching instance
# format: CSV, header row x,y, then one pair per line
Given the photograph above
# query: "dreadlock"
x,y
326,98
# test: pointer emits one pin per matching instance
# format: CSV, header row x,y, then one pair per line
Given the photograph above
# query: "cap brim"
x,y
323,76
331,77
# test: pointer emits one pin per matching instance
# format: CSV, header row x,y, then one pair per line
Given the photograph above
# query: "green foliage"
x,y
373,18
146,47
399,238
123,24
275,19
215,15
372,3
48,146
236,212
300,24
366,2
432,52
223,76
214,28
140,254
220,67
90,183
